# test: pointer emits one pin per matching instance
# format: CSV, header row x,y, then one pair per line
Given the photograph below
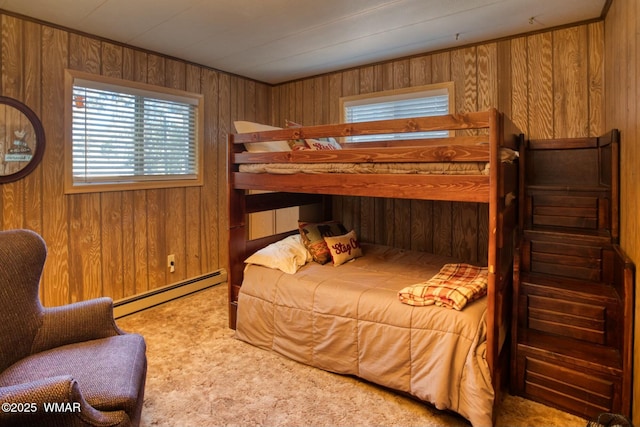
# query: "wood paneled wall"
x,y
116,243
550,83
622,26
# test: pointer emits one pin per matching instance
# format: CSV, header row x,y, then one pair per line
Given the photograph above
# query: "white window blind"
x,y
421,103
122,134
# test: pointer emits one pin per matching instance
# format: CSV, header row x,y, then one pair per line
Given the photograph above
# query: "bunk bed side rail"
x,y
477,120
471,188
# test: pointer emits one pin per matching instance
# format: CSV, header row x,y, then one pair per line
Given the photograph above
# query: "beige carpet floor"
x,y
199,375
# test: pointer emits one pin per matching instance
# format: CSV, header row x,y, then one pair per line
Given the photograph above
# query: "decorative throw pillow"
x,y
344,248
287,255
316,144
290,124
260,147
313,235
298,145
323,144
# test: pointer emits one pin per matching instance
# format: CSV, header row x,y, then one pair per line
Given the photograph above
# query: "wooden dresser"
x,y
573,287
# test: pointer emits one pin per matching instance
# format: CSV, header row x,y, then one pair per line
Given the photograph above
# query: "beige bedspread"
x,y
349,320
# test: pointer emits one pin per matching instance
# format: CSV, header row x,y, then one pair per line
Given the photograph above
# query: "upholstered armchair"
x,y
61,366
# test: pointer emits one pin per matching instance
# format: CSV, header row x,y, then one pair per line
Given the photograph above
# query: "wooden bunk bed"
x,y
474,137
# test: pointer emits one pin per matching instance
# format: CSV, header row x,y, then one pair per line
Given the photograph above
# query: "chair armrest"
x,y
74,323
55,401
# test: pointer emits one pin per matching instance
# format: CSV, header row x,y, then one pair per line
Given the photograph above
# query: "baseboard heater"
x,y
167,293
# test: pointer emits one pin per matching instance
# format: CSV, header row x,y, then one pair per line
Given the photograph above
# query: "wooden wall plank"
x,y
129,267
175,228
570,83
55,222
321,102
111,60
299,103
442,228
12,45
193,220
520,84
420,70
308,108
487,78
33,212
85,262
140,241
156,238
112,255
540,84
441,67
335,92
595,72
12,86
465,236
421,225
176,209
464,74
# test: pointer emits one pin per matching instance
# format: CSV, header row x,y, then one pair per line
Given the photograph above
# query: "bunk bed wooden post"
x,y
493,261
612,140
237,233
504,224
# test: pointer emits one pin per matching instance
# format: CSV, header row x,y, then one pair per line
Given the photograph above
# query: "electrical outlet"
x,y
171,263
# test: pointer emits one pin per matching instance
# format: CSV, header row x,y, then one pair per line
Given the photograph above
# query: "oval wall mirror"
x,y
21,140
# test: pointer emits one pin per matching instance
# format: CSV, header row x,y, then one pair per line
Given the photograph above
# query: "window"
x,y
430,100
126,135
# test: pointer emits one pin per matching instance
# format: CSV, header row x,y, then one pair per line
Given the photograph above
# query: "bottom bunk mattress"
x,y
348,319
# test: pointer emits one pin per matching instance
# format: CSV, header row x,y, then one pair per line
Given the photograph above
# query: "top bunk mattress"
x,y
428,168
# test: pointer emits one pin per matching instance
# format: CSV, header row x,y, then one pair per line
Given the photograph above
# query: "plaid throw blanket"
x,y
453,287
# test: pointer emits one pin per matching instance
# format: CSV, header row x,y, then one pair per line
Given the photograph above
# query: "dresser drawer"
x,y
585,312
559,384
567,318
575,259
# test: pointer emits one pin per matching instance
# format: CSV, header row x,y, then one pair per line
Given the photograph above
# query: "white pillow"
x,y
287,255
260,147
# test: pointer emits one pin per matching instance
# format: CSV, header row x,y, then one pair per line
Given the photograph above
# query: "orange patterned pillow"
x,y
315,144
313,235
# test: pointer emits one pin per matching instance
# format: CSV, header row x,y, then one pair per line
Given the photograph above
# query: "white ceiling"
x,y
281,40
